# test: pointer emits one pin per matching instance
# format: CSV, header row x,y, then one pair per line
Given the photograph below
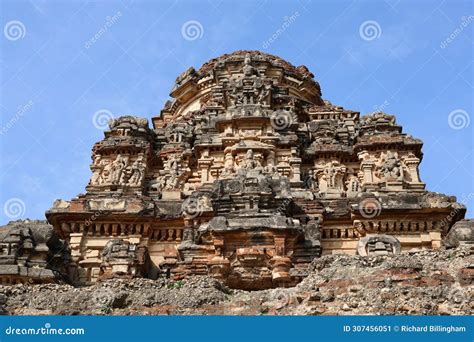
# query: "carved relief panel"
x,y
118,169
330,176
174,174
393,169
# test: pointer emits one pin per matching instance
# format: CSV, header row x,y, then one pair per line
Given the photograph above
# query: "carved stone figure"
x,y
175,173
249,163
264,93
106,172
236,97
158,184
117,168
330,177
137,172
271,163
97,172
390,167
248,69
228,166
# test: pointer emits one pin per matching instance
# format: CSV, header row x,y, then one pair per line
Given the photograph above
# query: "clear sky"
x,y
63,61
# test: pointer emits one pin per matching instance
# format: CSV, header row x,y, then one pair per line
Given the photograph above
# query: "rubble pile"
x,y
437,282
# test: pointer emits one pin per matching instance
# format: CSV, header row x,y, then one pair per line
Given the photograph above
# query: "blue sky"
x,y
410,58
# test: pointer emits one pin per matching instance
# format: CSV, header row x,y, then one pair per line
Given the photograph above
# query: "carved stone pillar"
x,y
188,231
75,242
204,164
280,248
295,168
367,168
295,164
412,163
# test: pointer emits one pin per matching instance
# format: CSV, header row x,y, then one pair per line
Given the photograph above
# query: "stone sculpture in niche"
x,y
390,167
378,245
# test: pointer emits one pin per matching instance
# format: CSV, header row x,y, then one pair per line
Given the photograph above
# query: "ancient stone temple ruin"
x,y
248,175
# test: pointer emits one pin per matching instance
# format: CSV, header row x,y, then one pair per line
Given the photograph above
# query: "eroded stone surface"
x,y
460,234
